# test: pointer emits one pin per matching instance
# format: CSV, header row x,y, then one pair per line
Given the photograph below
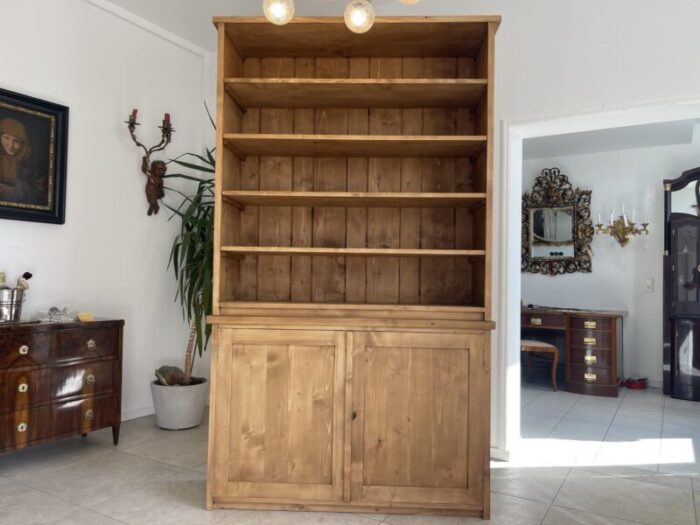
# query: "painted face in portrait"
x,y
14,141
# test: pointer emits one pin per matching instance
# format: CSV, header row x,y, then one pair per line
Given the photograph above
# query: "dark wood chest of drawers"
x,y
58,380
593,346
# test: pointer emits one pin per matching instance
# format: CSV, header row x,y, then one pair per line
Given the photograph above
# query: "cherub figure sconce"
x,y
154,170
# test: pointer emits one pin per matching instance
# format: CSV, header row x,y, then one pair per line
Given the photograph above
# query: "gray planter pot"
x,y
179,407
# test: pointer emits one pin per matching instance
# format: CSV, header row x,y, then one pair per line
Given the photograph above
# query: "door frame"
x,y
508,188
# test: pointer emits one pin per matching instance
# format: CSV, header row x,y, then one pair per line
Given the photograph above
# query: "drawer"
x,y
591,357
95,377
86,343
84,415
24,426
591,374
591,323
25,349
22,389
591,339
543,321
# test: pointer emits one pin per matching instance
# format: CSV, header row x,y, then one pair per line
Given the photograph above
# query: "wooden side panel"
x,y
330,174
228,120
280,398
384,224
412,438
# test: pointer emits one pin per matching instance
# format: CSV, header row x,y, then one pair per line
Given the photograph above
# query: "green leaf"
x,y
193,166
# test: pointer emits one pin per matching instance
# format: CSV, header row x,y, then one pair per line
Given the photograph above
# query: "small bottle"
x,y
3,281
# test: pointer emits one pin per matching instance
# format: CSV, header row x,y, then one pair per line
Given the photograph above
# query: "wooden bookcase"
x,y
352,293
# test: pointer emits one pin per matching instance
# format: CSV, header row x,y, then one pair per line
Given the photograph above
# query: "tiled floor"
x,y
570,468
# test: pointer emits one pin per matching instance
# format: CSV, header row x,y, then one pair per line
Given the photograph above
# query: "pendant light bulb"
x,y
359,16
279,12
409,2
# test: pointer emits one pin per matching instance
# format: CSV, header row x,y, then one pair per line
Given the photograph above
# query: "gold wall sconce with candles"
x,y
621,228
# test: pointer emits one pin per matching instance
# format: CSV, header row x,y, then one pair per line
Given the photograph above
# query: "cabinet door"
x,y
278,404
420,419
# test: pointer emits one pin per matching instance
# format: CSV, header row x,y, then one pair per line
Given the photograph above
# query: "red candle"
x,y
166,119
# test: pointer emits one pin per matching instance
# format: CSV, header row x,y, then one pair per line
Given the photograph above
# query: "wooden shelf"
x,y
347,252
281,145
329,37
360,93
310,198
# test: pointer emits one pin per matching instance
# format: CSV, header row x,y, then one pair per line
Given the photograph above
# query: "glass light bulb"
x,y
359,16
279,12
409,2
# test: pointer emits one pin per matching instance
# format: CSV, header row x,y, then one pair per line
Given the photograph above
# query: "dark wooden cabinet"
x,y
58,380
681,315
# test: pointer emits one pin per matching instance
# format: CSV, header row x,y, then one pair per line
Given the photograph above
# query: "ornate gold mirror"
x,y
556,226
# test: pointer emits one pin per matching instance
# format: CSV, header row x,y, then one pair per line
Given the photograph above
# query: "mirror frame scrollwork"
x,y
552,189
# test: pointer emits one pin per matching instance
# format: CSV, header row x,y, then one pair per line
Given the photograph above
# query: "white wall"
x,y
109,258
633,178
553,58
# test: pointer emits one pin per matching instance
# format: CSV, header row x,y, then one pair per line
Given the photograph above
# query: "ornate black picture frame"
x,y
552,189
33,158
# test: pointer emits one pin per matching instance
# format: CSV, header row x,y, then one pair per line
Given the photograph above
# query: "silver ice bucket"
x,y
11,304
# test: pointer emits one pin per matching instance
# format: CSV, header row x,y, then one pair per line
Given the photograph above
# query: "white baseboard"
x,y
135,413
499,454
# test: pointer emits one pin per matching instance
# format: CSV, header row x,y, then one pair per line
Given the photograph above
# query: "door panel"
x,y
279,397
419,426
685,272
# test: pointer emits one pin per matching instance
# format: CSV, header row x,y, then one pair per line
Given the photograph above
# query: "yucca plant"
x,y
191,259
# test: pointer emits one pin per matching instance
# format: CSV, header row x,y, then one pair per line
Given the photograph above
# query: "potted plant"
x,y
179,398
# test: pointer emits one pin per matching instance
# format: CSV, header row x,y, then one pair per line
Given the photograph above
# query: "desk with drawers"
x,y
592,343
58,379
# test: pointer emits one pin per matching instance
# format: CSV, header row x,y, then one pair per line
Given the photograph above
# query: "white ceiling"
x,y
191,19
630,137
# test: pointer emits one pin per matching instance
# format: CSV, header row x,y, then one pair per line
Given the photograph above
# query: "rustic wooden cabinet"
x,y
352,266
57,380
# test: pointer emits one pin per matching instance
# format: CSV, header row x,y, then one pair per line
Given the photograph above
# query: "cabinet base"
x,y
340,507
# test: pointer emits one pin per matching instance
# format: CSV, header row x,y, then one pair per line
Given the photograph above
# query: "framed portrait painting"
x,y
33,146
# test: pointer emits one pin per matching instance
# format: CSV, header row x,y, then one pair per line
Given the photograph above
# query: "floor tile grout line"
x,y
588,468
555,495
562,417
695,505
607,431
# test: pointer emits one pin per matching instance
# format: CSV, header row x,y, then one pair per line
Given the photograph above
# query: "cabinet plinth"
x,y
352,266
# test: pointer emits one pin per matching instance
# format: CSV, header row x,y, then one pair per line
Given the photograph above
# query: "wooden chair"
x,y
531,347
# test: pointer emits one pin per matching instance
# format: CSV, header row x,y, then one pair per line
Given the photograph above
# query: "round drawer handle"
x,y
23,387
91,344
23,350
22,427
90,380
89,415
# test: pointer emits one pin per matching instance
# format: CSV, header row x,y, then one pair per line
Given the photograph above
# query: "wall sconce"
x,y
621,228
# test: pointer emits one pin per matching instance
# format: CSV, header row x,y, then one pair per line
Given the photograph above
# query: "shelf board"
x,y
391,37
282,145
348,252
310,198
355,93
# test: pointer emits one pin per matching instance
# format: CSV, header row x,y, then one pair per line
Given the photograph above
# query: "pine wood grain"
x,y
356,92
